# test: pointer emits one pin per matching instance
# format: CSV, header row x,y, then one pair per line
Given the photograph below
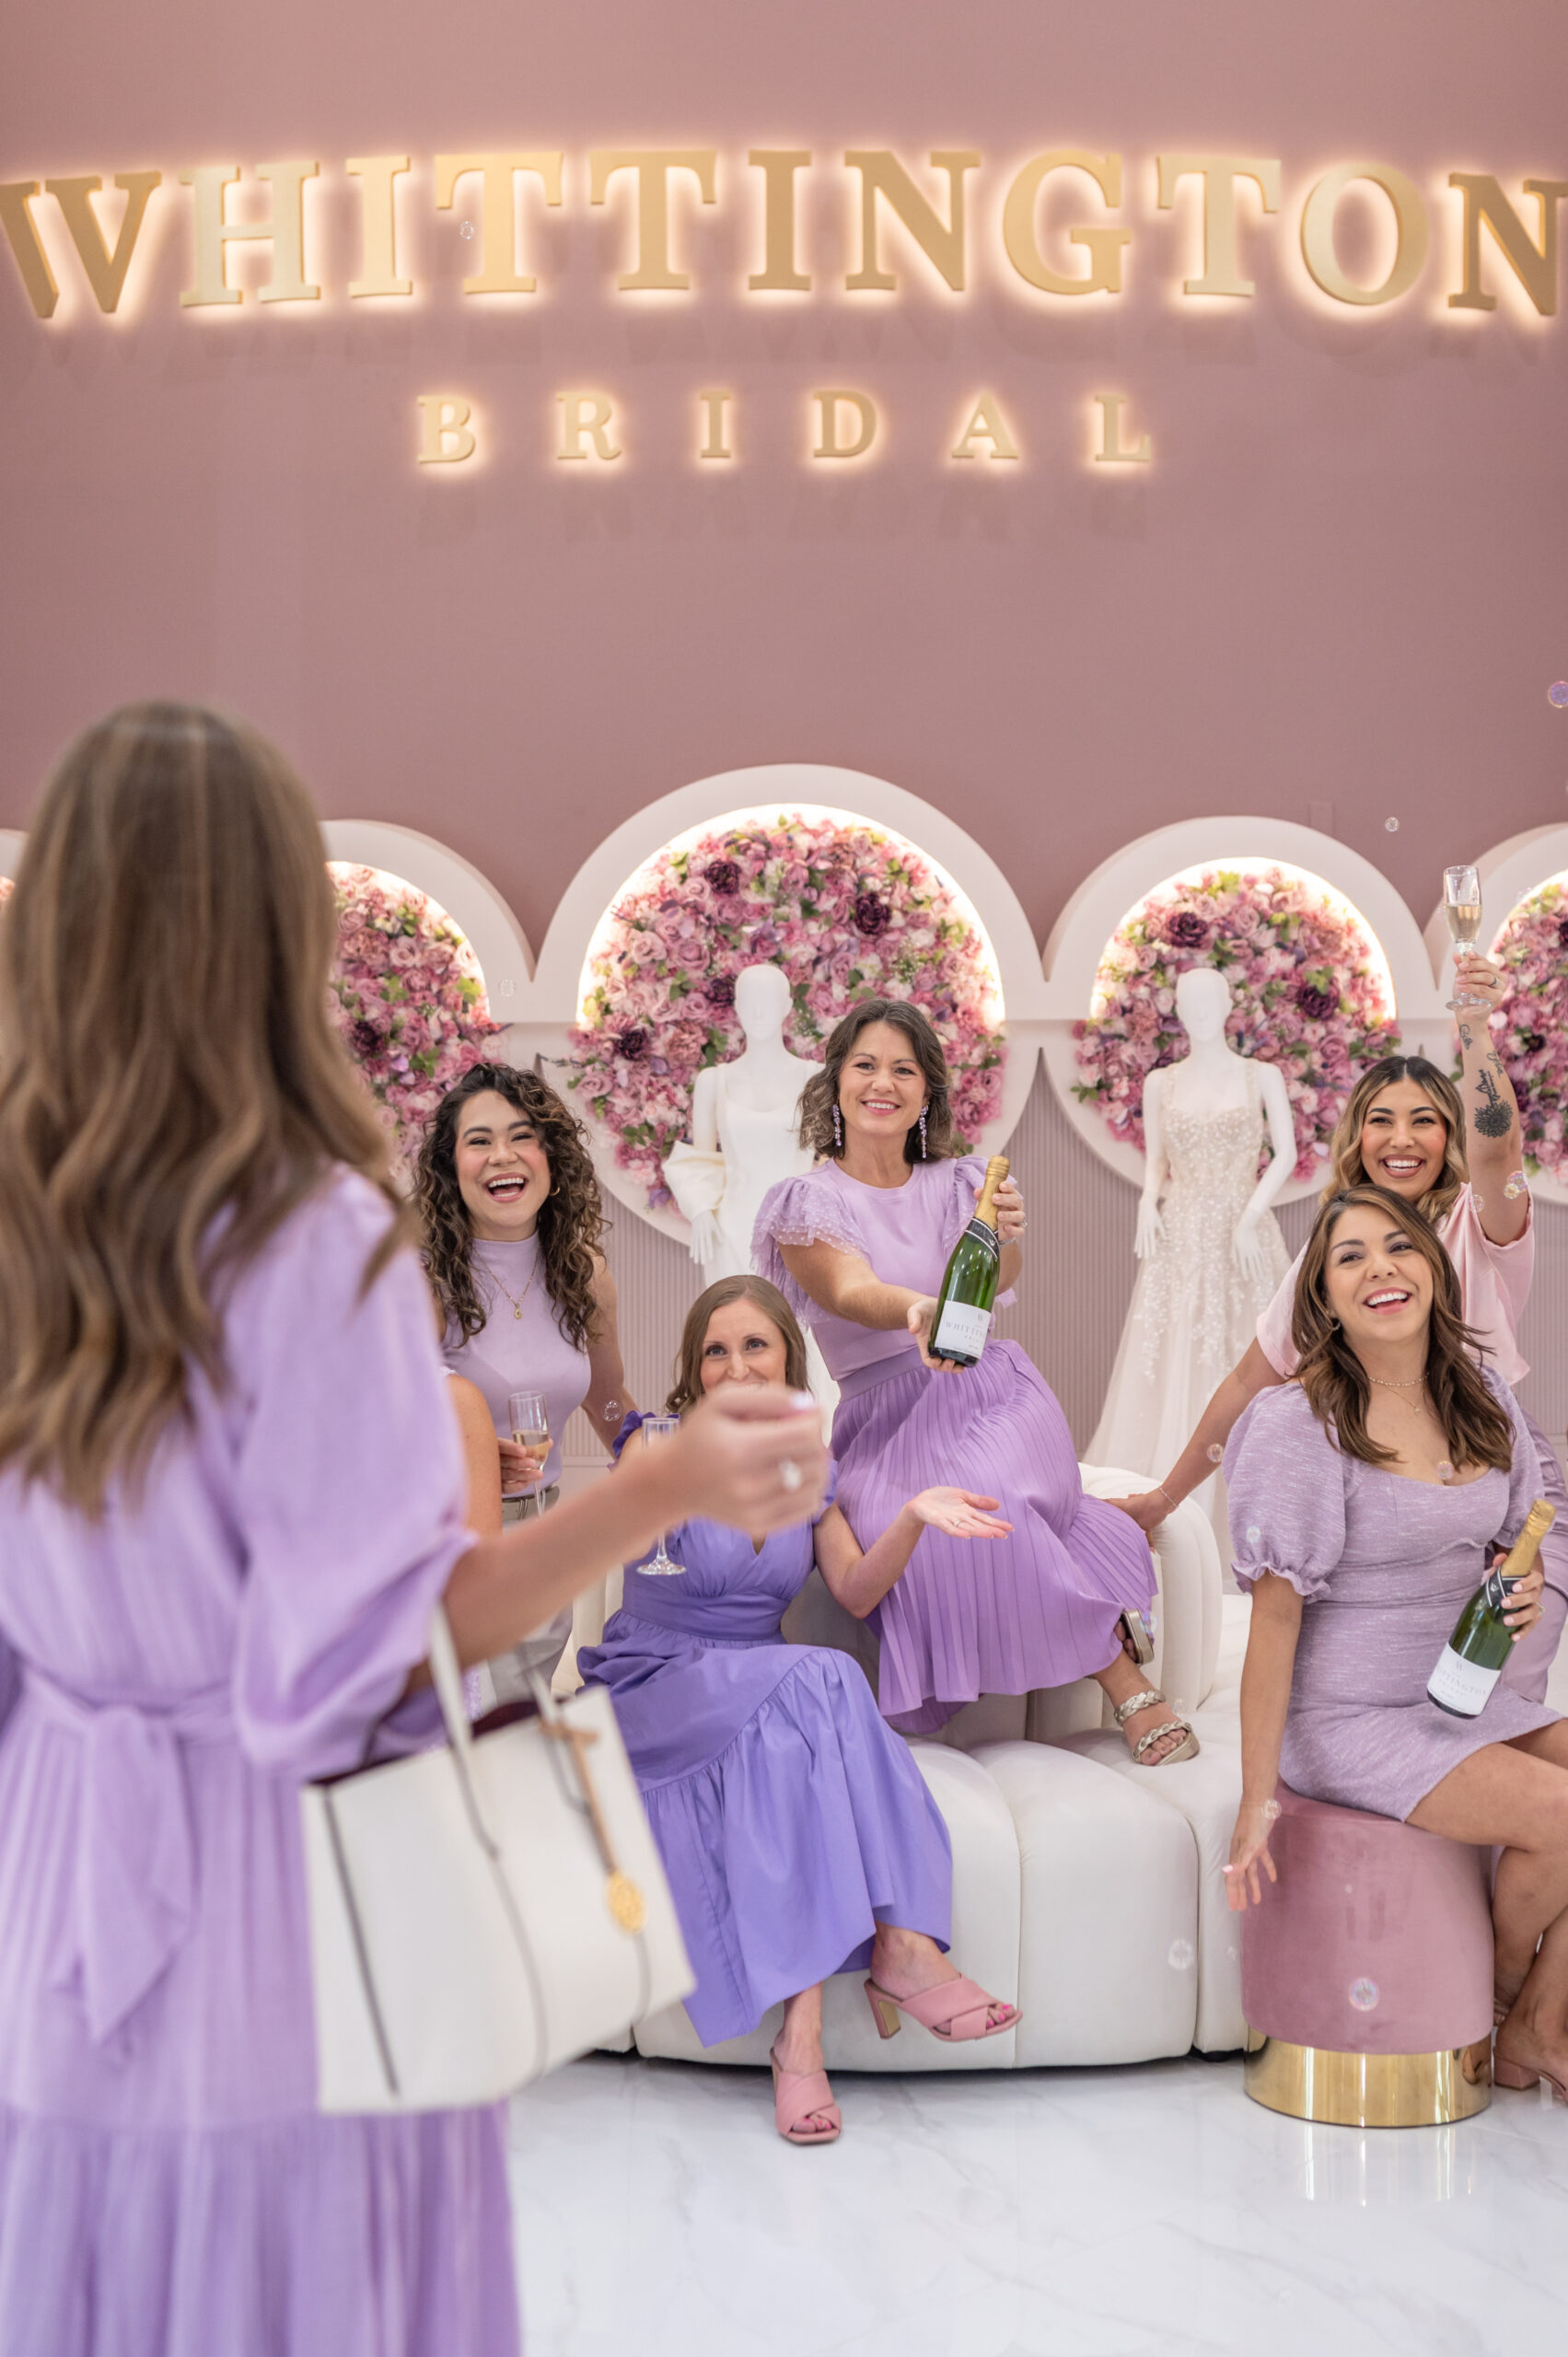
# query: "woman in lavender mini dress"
x,y
1363,1497
796,1832
858,1247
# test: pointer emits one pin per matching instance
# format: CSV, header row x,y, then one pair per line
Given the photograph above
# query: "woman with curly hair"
x,y
512,1224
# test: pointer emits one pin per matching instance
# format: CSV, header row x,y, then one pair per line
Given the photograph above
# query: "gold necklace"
x,y
1415,1382
516,1299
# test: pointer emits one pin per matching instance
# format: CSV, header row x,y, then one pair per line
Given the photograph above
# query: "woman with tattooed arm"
x,y
1456,1153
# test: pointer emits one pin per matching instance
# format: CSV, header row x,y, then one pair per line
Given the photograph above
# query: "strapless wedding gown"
x,y
1194,1312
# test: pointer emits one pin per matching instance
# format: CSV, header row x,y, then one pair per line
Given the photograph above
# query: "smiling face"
x,y
1377,1280
881,1086
742,1345
1404,1140
502,1169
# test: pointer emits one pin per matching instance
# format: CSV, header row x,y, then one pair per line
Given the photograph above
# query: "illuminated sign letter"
x,y
1104,245
587,413
1317,248
942,243
1219,174
778,167
285,233
500,275
1534,266
106,270
444,435
652,166
1112,452
714,443
829,445
985,425
378,226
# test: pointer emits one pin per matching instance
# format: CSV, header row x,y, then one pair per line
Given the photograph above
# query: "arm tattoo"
x,y
1495,1119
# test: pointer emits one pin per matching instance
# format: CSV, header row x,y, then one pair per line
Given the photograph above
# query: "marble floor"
x,y
1060,2214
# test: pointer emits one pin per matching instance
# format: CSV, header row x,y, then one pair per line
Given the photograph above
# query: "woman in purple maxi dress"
x,y
1045,1607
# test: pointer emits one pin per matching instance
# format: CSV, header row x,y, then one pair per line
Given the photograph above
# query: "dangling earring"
x,y
923,1133
838,1130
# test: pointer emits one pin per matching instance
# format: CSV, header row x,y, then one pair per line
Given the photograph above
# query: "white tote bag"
x,y
484,1912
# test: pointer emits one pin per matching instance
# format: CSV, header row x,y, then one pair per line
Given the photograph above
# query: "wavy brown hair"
x,y
821,1094
171,1088
1345,1164
1476,1428
687,1387
571,1222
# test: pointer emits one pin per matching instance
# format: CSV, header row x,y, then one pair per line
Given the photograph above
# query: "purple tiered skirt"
x,y
999,1616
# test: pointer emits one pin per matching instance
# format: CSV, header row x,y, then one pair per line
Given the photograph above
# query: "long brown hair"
x,y
819,1097
688,1388
171,1086
1345,1164
1477,1429
571,1219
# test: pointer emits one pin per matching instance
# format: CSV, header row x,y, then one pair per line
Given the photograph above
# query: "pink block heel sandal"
x,y
797,2097
1514,2074
955,2011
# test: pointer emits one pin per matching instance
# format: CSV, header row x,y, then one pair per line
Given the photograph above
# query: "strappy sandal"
x,y
1139,1640
955,2011
800,2096
1145,1702
1514,2075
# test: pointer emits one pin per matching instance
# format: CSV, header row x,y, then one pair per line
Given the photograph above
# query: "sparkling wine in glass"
x,y
661,1563
1461,906
530,1416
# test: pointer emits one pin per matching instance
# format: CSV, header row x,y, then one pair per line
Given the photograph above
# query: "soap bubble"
x,y
1231,1952
1557,694
1271,1810
1253,1534
1216,1452
612,1408
465,229
1445,1471
1364,1995
1179,1955
1390,826
1515,1186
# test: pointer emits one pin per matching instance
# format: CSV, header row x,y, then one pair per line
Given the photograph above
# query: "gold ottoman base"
x,y
1369,2090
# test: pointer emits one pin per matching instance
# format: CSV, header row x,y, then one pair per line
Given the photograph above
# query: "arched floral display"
x,y
849,911
1530,1024
407,996
1308,985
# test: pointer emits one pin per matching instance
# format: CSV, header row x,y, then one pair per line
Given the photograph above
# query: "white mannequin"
x,y
1212,1078
745,1130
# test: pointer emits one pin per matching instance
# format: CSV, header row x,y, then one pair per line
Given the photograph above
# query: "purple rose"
x,y
1186,930
871,915
723,875
719,991
1316,1004
632,1045
1532,1042
1562,930
365,1038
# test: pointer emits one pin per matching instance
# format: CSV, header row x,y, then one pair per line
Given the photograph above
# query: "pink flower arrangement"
x,y
1530,1024
848,912
408,997
1306,992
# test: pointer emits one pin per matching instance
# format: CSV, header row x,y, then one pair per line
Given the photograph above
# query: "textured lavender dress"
x,y
173,1672
790,1821
997,1616
1386,1565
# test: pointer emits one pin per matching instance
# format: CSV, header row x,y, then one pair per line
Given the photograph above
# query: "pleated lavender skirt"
x,y
998,1616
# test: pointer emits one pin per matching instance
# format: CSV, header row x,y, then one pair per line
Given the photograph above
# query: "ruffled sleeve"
x,y
350,1488
1285,1493
811,1210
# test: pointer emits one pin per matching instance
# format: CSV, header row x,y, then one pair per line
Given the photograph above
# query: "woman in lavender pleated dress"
x,y
1363,1497
796,1832
231,1496
858,1247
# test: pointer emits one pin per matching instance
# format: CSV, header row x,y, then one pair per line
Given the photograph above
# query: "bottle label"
x,y
983,1233
1460,1686
1496,1590
961,1331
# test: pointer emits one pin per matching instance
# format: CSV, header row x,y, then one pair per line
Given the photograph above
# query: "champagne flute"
x,y
661,1563
1461,906
529,1415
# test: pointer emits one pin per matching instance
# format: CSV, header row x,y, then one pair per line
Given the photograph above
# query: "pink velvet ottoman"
x,y
1366,1972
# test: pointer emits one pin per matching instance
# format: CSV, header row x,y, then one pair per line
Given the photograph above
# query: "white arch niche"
x,y
550,1007
1104,899
468,897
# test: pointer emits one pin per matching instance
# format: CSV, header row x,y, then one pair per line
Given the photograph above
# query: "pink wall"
x,y
1340,580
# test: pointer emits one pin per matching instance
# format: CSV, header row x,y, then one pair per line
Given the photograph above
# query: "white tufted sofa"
x,y
1086,1889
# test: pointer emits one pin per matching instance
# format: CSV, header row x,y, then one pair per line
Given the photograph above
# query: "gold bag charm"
x,y
625,1902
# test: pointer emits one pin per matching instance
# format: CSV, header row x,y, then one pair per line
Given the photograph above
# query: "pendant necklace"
x,y
1443,1468
516,1299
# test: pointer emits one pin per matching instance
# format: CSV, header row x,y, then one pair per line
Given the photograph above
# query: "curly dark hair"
x,y
571,1219
819,1096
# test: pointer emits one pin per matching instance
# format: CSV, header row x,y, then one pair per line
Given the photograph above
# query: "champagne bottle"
x,y
969,1287
1471,1663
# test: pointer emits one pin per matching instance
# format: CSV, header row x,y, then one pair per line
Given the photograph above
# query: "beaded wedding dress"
x,y
1193,1311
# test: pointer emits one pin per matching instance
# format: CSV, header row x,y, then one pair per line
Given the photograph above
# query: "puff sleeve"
x,y
1285,1493
811,1210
